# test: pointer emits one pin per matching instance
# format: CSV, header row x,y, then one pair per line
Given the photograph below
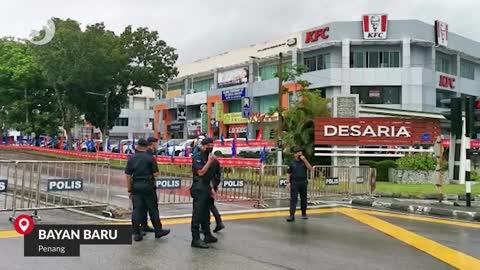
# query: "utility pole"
x,y
107,97
279,127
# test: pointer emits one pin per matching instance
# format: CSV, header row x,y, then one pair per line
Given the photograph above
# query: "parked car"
x,y
180,147
162,148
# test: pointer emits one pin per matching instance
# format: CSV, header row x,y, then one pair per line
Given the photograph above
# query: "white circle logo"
x,y
49,32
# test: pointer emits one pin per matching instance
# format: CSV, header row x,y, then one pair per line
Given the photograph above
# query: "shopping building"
x,y
397,67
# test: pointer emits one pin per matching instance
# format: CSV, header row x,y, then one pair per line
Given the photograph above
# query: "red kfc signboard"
x,y
313,36
375,131
446,82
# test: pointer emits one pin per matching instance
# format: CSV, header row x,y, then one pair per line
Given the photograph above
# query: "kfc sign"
x,y
374,26
441,33
446,82
314,35
377,131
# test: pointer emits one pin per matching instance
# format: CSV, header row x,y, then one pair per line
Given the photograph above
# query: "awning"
x,y
396,112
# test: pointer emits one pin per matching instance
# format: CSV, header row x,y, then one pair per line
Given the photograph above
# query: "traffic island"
x,y
450,210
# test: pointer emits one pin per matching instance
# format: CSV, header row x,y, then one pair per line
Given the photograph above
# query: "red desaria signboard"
x,y
375,131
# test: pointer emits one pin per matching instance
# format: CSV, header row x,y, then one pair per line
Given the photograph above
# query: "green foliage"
x,y
475,175
421,162
298,121
382,168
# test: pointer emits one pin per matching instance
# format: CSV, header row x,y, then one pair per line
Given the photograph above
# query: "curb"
x,y
419,209
449,197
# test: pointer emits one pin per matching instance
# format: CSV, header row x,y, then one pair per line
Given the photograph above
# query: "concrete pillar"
x,y
130,102
295,57
185,93
251,75
410,98
406,57
345,67
458,87
215,79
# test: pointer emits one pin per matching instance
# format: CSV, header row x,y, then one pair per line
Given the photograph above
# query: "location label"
x,y
24,224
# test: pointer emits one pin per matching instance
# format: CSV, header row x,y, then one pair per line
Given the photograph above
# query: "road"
x,y
333,238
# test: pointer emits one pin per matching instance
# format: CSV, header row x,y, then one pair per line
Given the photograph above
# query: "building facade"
x,y
135,119
402,66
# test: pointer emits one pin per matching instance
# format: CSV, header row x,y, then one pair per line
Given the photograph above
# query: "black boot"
x,y
138,237
209,238
219,227
291,219
197,242
162,233
147,228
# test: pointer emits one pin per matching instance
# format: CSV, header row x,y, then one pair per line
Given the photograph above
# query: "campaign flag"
x,y
222,139
166,149
133,144
186,151
172,155
246,136
109,147
20,138
234,146
262,155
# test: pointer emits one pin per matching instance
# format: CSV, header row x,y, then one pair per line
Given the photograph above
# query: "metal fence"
x,y
238,184
43,185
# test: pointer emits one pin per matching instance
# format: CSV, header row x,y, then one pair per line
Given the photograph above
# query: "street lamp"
x,y
106,96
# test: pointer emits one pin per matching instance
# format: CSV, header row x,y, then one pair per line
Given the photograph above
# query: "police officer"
x,y
216,182
297,182
141,171
202,192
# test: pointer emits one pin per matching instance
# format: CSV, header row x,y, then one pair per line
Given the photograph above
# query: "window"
x,y
267,102
318,62
444,63
177,86
444,94
235,106
270,71
375,59
378,94
467,70
203,85
121,122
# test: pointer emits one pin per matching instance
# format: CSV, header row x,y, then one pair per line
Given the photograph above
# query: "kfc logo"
x,y
447,82
313,36
374,26
441,33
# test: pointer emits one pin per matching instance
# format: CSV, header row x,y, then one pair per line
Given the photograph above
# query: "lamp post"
x,y
106,96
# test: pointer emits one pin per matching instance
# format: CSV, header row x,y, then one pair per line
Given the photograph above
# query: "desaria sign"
x,y
359,131
375,131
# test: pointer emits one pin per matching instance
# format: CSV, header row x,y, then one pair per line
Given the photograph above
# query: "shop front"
x,y
175,130
235,124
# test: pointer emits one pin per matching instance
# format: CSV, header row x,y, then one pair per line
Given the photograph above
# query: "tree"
x,y
62,64
26,104
298,120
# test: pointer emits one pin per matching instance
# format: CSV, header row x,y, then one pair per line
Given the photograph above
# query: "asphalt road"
x,y
330,239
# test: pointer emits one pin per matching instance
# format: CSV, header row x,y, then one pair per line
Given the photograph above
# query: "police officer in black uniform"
x,y
202,192
141,171
216,182
297,182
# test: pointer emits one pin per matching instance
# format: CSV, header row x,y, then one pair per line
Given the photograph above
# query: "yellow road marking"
x,y
426,219
175,221
9,234
450,256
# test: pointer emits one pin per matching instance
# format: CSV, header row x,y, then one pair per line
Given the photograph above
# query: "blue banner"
x,y
233,94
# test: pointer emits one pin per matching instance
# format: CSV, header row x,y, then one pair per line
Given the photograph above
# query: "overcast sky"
x,y
201,28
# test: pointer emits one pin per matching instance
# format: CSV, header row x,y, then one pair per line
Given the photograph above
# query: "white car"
x,y
180,147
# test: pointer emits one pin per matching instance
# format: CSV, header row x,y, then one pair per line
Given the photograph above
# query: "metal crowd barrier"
x,y
45,185
323,181
175,180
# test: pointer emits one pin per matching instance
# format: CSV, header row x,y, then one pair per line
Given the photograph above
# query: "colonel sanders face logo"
x,y
375,22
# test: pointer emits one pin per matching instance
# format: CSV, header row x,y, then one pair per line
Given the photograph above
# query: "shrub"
x,y
475,175
382,168
420,162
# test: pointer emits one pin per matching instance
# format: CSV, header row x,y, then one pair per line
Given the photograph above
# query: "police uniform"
x,y
142,167
215,183
201,193
298,185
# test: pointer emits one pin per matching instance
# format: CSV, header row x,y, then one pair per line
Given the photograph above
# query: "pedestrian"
x,y
141,171
202,191
216,182
297,182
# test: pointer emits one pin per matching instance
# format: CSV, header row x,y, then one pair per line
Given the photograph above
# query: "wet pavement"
x,y
330,239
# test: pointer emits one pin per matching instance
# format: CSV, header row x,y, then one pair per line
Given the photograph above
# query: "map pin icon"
x,y
24,224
